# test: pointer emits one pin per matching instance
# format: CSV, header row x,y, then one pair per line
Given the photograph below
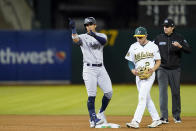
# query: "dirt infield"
x,y
80,123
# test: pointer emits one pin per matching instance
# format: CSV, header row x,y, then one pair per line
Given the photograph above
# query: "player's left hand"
x,y
176,44
91,33
72,24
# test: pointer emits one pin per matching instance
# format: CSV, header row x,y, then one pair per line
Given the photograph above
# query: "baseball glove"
x,y
144,73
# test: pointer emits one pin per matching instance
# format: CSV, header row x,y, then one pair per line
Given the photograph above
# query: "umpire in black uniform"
x,y
171,46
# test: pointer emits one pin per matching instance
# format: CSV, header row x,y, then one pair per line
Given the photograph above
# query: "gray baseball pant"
x,y
169,77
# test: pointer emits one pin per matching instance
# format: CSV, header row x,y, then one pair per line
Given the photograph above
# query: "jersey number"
x,y
147,64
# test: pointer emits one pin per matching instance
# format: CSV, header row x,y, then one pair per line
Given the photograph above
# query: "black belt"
x,y
98,65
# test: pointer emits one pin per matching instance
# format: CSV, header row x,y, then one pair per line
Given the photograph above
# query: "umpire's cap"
x,y
140,32
89,21
168,22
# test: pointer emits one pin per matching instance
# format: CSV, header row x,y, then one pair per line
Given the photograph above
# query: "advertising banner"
x,y
35,56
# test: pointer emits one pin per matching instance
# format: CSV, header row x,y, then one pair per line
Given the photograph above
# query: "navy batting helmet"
x,y
89,21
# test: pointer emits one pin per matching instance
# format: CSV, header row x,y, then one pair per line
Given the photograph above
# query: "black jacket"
x,y
171,55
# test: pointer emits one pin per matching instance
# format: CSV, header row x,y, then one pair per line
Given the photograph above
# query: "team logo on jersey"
x,y
95,46
162,43
143,55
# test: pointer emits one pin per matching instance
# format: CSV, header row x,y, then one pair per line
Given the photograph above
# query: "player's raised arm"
x,y
75,36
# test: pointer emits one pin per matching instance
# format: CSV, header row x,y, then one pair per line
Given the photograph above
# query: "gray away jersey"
x,y
92,50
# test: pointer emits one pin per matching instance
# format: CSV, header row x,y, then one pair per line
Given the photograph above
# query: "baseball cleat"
x,y
155,124
102,116
133,124
92,124
164,120
99,121
177,120
95,122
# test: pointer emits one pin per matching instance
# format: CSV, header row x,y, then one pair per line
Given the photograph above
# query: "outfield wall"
x,y
50,57
35,56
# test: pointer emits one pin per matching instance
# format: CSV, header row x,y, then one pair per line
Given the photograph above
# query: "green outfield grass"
x,y
71,100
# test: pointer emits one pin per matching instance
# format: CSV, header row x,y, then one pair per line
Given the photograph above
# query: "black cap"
x,y
168,22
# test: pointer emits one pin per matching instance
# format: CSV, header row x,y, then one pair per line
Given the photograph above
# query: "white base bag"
x,y
108,125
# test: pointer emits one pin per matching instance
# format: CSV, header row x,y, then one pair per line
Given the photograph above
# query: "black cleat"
x,y
164,120
177,120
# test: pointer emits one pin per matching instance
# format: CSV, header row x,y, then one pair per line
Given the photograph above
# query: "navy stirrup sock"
x,y
105,102
91,106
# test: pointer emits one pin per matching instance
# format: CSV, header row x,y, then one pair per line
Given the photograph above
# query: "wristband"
x,y
75,37
74,31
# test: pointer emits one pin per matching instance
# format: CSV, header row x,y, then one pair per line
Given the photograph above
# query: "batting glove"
x,y
72,25
92,33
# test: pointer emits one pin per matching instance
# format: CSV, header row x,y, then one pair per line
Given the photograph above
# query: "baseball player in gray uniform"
x,y
94,72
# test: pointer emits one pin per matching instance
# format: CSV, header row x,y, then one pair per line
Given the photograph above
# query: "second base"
x,y
108,125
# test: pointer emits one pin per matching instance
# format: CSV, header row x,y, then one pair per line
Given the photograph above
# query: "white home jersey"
x,y
143,56
92,50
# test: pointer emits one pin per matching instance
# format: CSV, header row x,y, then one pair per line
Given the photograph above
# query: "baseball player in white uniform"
x,y
144,54
94,72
